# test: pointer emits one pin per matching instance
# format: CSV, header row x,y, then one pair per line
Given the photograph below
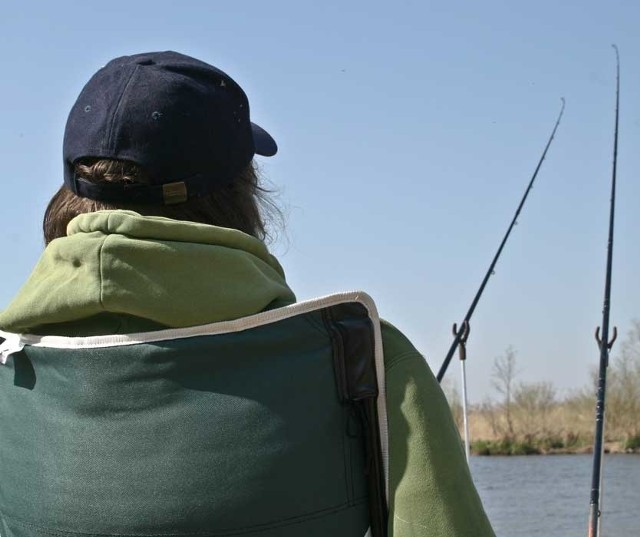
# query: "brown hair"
x,y
242,204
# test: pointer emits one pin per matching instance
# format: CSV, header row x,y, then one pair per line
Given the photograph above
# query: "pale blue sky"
x,y
407,131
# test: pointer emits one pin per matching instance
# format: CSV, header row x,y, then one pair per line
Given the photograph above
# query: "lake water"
x,y
549,495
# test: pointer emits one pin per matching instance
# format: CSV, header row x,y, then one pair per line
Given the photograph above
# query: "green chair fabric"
x,y
251,427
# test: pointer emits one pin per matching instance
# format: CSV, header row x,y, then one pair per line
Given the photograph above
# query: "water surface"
x,y
549,495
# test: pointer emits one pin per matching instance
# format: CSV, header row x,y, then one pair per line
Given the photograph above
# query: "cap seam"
x,y
109,144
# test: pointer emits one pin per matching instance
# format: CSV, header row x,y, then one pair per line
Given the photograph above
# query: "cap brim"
x,y
264,144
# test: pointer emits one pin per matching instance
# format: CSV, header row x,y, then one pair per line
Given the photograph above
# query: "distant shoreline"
x,y
528,418
488,448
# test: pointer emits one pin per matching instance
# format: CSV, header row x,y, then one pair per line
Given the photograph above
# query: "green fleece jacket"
x,y
118,272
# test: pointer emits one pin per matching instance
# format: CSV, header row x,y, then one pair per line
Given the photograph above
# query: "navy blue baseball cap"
x,y
182,120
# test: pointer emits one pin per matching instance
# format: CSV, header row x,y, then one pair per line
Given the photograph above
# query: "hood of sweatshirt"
x,y
119,264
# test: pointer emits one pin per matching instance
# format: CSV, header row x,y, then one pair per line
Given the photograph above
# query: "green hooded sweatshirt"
x,y
118,272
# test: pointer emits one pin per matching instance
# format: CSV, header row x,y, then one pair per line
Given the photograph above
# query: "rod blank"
x,y
490,272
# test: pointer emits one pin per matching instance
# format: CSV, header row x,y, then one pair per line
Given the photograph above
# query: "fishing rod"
x,y
603,342
467,318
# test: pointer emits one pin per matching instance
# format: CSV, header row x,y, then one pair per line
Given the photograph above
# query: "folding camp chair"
x,y
272,425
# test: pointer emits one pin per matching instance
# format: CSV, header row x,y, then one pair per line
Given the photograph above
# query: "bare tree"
x,y
533,404
623,387
631,344
490,413
503,380
451,392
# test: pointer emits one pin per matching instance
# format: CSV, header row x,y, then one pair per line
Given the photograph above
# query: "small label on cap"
x,y
174,193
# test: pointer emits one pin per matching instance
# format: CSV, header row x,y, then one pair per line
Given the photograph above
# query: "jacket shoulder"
x,y
396,345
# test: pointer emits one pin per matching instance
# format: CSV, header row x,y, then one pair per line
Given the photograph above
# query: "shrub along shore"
x,y
566,432
530,419
549,446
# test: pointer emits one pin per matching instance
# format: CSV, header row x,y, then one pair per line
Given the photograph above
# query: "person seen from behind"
x,y
161,222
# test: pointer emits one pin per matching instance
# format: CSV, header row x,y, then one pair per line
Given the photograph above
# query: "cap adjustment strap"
x,y
173,193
